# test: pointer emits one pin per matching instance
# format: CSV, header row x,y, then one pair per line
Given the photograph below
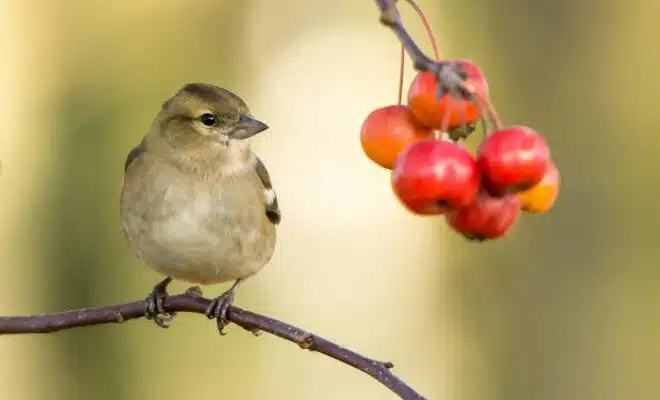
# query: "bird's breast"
x,y
190,217
203,232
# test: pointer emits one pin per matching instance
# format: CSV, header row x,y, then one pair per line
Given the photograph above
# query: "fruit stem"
x,y
432,37
429,30
401,69
486,105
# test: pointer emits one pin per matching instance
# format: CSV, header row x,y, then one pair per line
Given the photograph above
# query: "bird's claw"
x,y
218,309
154,305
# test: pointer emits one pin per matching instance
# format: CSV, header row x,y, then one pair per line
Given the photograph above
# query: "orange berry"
x,y
449,110
540,198
387,131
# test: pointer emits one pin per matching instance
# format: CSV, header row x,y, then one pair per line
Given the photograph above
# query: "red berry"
x,y
451,110
387,131
488,217
433,176
513,159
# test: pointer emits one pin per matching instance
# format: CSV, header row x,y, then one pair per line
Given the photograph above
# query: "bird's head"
x,y
201,114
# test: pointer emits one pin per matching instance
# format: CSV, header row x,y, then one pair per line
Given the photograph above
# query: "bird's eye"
x,y
208,119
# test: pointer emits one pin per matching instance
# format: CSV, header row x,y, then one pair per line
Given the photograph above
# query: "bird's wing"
x,y
272,208
135,152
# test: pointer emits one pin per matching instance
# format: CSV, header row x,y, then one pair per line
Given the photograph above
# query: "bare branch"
x,y
253,322
450,76
390,17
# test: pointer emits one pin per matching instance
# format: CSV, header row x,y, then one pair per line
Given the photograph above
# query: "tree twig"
x,y
450,77
253,322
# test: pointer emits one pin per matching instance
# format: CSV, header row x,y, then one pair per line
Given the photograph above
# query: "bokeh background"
x,y
566,307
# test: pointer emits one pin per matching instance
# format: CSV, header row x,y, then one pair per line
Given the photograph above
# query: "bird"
x,y
197,204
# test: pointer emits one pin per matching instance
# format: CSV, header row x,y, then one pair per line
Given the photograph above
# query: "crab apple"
x,y
433,176
540,198
450,111
387,131
513,159
487,218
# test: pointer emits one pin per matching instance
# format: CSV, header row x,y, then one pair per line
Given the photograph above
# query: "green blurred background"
x,y
566,307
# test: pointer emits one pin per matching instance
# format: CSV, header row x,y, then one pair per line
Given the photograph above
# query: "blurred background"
x,y
565,307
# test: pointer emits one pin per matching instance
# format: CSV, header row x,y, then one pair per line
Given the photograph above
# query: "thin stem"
x,y
390,17
486,105
429,30
402,67
432,38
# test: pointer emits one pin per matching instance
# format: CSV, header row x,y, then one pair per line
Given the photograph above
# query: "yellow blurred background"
x,y
566,307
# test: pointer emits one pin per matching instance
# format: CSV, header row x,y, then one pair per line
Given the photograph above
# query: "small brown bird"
x,y
196,203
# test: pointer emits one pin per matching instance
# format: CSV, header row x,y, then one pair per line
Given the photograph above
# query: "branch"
x,y
450,76
46,323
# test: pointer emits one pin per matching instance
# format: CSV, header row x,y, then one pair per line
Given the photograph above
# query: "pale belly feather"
x,y
206,237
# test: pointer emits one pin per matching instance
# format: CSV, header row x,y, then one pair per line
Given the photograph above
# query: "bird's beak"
x,y
246,127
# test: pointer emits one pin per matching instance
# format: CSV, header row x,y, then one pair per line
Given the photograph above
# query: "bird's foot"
x,y
219,307
154,305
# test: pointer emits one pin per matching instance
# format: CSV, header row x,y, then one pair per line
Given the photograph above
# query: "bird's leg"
x,y
154,308
219,306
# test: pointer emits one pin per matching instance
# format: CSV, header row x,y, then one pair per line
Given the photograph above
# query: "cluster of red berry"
x,y
481,196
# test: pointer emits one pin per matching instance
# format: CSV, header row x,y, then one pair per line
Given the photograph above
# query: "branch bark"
x,y
253,322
